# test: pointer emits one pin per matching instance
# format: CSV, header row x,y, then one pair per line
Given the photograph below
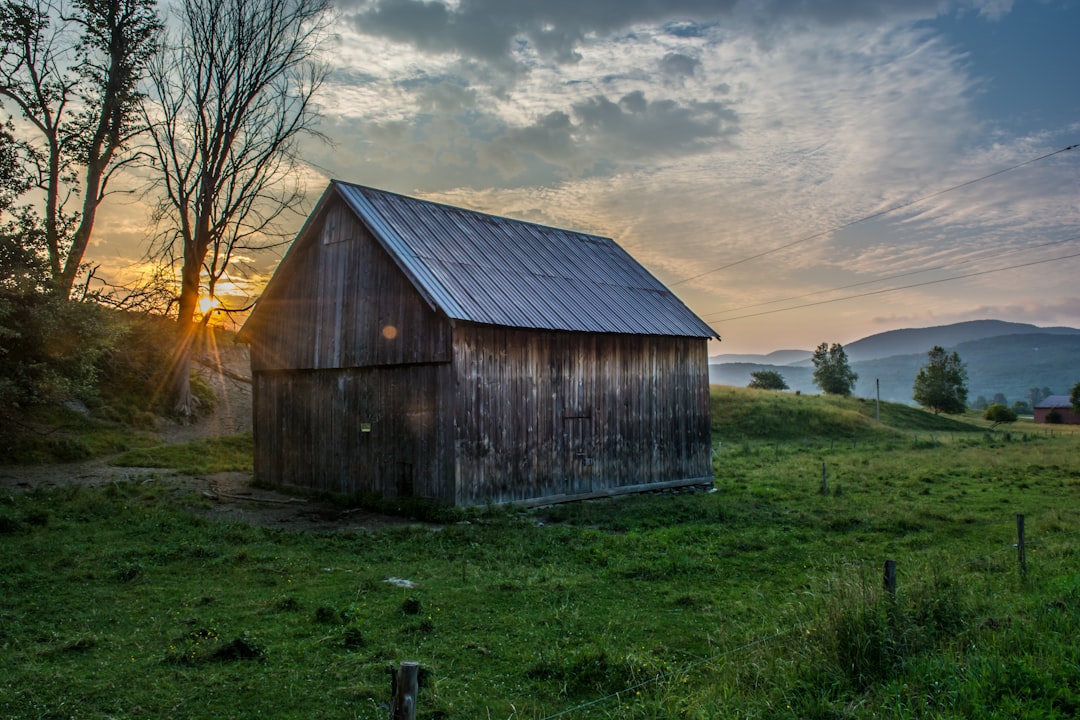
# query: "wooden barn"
x,y
1056,409
408,348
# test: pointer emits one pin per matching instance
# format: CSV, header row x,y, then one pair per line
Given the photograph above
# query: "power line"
x,y
887,277
871,216
902,287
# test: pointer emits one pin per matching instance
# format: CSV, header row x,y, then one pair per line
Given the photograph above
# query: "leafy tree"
x,y
50,348
231,96
999,399
72,73
998,414
832,373
980,403
1020,407
941,384
1074,398
767,380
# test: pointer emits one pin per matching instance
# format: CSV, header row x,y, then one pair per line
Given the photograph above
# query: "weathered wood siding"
x,y
360,387
358,430
342,302
555,414
350,368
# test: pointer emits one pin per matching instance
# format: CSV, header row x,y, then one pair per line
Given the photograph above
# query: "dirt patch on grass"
x,y
228,496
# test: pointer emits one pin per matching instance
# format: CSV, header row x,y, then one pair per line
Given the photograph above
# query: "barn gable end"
x,y
339,301
405,348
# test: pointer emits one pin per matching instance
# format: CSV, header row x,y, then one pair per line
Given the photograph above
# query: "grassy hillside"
x,y
740,414
73,406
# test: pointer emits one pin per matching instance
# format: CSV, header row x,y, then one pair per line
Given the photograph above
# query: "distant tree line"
x,y
1024,406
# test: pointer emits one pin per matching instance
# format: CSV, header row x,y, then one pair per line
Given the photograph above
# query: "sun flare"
x,y
208,305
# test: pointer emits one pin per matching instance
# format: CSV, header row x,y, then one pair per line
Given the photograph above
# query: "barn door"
x,y
405,482
577,432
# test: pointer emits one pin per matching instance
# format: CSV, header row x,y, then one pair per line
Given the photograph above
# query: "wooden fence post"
x,y
889,580
1020,554
406,683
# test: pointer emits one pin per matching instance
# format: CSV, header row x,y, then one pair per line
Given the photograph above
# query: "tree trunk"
x,y
179,381
187,331
52,209
81,238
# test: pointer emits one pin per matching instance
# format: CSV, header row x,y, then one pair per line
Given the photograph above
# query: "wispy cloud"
x,y
700,133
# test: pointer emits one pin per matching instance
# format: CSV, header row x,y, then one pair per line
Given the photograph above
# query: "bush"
x,y
205,397
53,348
998,414
767,380
133,371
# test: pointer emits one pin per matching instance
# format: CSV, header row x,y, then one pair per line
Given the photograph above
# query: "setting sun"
x,y
208,304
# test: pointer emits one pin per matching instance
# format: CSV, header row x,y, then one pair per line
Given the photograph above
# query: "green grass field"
x,y
761,599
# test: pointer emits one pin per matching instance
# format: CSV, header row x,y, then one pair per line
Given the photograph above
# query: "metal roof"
x,y
493,270
1054,401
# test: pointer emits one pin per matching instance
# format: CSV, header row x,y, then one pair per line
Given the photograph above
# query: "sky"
x,y
797,172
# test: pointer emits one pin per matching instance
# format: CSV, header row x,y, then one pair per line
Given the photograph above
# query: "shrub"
x,y
53,348
767,380
998,414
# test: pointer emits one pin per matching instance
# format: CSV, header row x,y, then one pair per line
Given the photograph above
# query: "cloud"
x,y
635,127
550,138
493,31
1057,311
710,133
490,30
676,66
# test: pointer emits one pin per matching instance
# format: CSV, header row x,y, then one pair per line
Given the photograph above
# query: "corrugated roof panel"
x,y
494,270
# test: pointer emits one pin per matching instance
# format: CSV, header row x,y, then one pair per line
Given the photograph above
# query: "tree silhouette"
x,y
73,73
231,95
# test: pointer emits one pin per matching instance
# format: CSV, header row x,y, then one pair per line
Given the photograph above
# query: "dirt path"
x,y
228,497
222,496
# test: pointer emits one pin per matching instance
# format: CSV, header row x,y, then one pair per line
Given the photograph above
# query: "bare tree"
x,y
232,96
74,81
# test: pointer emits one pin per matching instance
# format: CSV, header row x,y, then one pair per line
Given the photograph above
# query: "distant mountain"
x,y
1009,364
1025,356
920,340
777,357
